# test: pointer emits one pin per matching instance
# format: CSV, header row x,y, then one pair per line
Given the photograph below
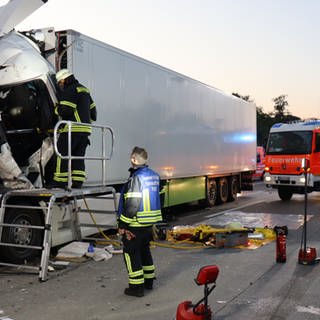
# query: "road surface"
x,y
251,285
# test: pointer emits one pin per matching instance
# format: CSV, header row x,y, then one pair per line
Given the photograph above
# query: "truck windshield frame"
x,y
289,142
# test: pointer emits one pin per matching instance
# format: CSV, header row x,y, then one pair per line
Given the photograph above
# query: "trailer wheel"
x,y
23,236
233,189
284,193
223,190
211,193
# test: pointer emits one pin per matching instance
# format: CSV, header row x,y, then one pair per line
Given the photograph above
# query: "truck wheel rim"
x,y
22,235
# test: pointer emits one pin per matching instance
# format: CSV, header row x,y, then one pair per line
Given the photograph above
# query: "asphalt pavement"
x,y
250,285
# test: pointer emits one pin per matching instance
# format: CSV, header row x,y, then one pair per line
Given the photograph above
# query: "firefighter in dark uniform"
x,y
139,209
75,104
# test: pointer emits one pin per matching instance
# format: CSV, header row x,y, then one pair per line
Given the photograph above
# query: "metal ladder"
x,y
49,197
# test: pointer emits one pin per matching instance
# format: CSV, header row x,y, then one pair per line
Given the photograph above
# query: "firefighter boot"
x,y
148,284
135,290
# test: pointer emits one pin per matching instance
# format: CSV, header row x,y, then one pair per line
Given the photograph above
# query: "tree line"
x,y
265,121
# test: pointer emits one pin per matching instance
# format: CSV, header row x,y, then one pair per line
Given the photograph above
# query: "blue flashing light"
x,y
240,138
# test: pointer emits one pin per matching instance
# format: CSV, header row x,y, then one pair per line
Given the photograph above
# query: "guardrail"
x,y
103,157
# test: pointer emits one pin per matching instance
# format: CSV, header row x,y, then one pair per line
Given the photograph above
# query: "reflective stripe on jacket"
x,y
140,200
76,105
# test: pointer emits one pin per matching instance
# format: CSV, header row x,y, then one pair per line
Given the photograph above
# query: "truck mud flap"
x,y
247,181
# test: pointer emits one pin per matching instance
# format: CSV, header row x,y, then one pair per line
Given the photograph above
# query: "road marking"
x,y
309,309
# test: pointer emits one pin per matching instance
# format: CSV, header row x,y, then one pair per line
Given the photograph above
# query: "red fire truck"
x,y
289,145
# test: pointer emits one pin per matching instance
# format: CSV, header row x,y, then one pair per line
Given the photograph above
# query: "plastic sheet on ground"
x,y
77,251
74,249
258,220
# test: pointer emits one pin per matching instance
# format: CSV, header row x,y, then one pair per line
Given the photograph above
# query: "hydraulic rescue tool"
x,y
200,311
307,255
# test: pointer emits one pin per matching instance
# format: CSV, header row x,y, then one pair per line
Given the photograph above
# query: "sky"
x,y
260,48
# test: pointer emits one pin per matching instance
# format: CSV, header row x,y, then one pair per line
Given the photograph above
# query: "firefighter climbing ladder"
x,y
45,200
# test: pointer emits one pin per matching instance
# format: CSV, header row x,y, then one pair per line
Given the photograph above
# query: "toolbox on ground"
x,y
231,239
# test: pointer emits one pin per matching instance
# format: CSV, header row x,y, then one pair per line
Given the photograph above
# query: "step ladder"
x,y
49,197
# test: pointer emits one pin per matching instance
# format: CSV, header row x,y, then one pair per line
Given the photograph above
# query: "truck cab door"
x,y
315,159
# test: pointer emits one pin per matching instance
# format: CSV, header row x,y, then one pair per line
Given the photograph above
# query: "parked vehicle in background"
x,y
289,145
258,174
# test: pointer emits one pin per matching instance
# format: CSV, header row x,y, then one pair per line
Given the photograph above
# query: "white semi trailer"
x,y
200,140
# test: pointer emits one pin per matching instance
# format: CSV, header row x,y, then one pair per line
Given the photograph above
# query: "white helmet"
x,y
63,74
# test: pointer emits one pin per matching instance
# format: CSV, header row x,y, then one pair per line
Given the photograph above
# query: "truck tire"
x,y
223,190
285,193
211,193
22,236
233,188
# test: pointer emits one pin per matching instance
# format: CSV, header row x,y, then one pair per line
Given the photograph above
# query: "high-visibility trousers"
x,y
137,255
79,143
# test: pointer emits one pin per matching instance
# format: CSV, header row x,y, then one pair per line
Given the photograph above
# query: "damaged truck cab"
x,y
27,97
32,218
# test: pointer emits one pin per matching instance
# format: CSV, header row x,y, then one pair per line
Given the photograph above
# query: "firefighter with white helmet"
x,y
63,74
76,105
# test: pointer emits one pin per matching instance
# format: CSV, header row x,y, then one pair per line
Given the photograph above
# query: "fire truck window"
x,y
317,142
295,142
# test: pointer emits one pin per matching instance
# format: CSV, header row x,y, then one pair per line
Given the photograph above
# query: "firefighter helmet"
x,y
63,74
